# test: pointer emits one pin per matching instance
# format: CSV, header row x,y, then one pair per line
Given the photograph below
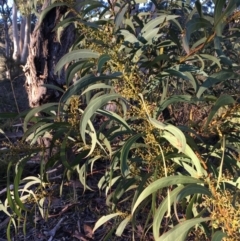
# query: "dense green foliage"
x,y
156,97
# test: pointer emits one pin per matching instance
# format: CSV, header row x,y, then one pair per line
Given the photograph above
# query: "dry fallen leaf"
x,y
79,236
88,230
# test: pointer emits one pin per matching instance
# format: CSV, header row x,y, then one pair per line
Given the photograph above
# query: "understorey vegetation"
x,y
144,131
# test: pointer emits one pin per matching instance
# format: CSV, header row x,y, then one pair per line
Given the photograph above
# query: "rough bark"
x,y
44,53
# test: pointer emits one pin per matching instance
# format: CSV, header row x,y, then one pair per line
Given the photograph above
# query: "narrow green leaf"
x,y
179,232
161,183
129,37
91,6
157,21
181,139
85,81
116,117
162,209
218,236
53,87
176,99
104,219
91,109
221,101
122,226
120,15
199,8
215,78
36,110
48,9
102,60
212,58
193,189
75,55
195,24
124,154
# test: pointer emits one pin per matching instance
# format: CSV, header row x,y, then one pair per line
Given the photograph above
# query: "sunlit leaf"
x,y
161,183
125,152
122,226
162,209
218,236
75,55
179,232
221,101
92,107
104,219
120,16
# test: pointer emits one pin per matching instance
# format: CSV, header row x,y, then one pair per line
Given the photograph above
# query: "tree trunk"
x,y
44,53
7,39
22,33
15,34
26,39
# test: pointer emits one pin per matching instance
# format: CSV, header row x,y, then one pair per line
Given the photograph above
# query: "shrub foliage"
x,y
154,96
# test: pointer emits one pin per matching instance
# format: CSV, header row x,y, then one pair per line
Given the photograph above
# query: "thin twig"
x,y
13,91
53,231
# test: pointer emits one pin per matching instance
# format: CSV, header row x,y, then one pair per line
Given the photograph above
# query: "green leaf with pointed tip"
x,y
177,133
212,58
149,35
129,37
75,55
194,159
157,21
10,200
180,231
119,17
199,8
130,23
96,87
53,87
64,23
85,81
122,226
116,117
162,209
31,114
161,183
221,101
193,189
200,41
174,99
91,109
195,24
218,236
93,5
104,219
124,154
48,9
215,78
101,61
18,174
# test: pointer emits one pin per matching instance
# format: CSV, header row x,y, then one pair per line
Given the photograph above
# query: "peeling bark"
x,y
44,53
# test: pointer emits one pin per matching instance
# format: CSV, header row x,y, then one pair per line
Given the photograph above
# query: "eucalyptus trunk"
x,y
44,53
16,50
22,33
26,38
